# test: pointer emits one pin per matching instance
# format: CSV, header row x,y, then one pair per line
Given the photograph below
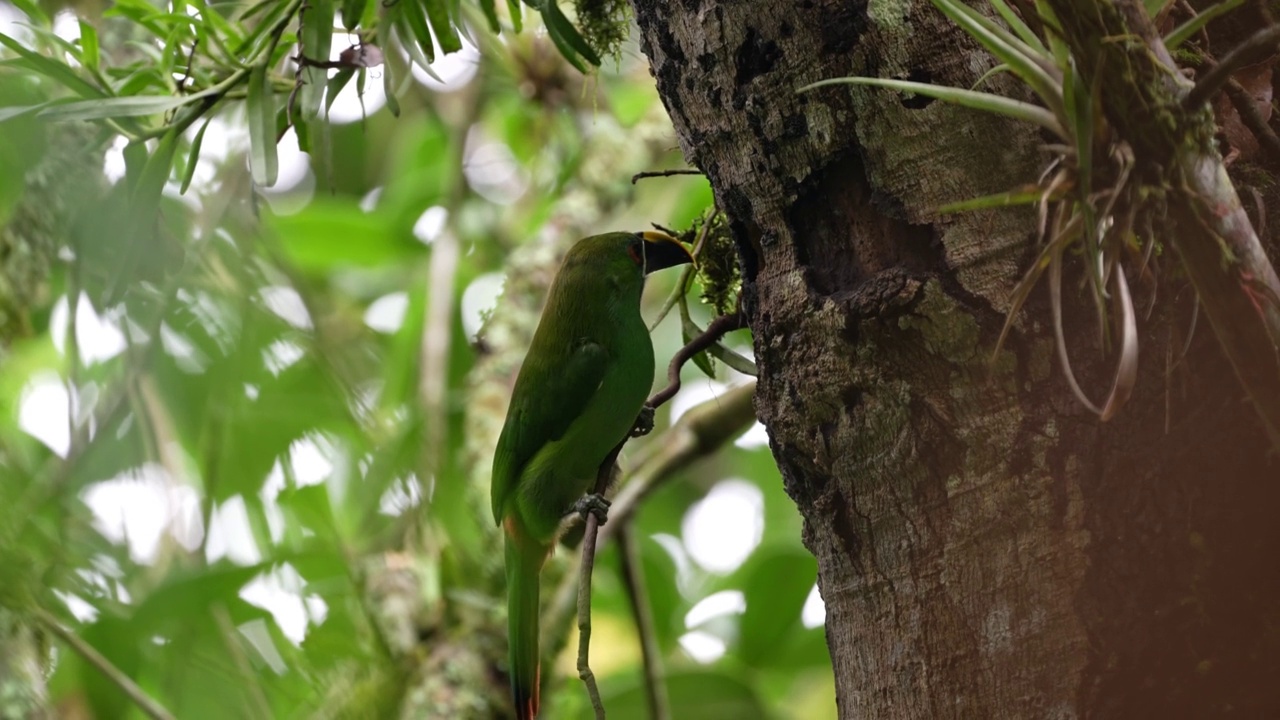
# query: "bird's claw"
x,y
593,505
644,422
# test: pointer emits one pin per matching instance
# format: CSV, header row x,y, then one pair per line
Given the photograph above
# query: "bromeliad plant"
x,y
1088,204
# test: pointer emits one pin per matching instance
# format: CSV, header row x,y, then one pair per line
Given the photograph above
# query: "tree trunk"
x,y
986,547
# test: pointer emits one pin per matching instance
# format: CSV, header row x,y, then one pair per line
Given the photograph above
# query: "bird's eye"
x,y
633,249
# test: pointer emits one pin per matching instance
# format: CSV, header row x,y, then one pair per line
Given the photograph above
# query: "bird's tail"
x,y
524,558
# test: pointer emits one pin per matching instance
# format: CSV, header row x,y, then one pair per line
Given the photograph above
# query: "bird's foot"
x,y
593,505
644,422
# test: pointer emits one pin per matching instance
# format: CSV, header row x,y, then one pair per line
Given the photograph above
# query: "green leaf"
x,y
1184,31
491,16
688,331
1003,199
776,584
59,72
89,54
352,12
193,157
986,102
336,84
517,15
114,107
389,90
262,128
332,234
317,39
734,360
442,24
414,20
1035,69
566,37
1013,20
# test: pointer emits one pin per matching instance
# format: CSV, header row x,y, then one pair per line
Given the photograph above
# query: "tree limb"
x,y
651,657
126,684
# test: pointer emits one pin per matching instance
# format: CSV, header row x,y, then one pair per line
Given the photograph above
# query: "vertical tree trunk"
x,y
986,547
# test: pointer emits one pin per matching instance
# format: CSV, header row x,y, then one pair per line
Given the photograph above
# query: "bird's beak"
x,y
662,251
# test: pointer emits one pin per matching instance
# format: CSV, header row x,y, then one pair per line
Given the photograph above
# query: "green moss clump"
x,y
718,270
605,24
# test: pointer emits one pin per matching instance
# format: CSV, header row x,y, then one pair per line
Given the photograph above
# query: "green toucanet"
x,y
583,382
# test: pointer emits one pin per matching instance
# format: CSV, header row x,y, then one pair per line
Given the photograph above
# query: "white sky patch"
x,y
455,70
280,355
386,314
140,506
113,161
480,297
98,338
79,609
44,412
814,612
278,592
679,556
430,224
287,304
725,602
402,496
703,647
722,529
230,535
271,488
311,458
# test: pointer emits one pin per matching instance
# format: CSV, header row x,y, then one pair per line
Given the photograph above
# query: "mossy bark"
x,y
986,548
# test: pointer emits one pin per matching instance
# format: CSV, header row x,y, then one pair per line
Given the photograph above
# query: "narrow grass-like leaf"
x,y
415,22
690,330
1050,254
1010,198
1001,68
89,52
566,37
1014,21
263,161
733,359
1184,31
8,113
517,15
1127,368
352,12
59,72
317,39
441,23
389,90
1036,70
1155,7
986,102
115,107
336,84
490,11
193,157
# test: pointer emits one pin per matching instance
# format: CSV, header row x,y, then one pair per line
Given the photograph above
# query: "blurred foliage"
x,y
246,403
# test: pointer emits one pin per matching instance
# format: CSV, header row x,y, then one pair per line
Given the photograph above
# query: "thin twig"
x,y
633,578
663,173
1252,51
126,684
714,332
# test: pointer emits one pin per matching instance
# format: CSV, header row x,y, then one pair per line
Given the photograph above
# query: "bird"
x,y
579,391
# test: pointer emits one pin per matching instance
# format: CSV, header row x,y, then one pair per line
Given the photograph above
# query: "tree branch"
x,y
700,431
633,579
1257,48
126,684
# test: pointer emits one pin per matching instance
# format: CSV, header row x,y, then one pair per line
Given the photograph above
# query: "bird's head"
x,y
627,252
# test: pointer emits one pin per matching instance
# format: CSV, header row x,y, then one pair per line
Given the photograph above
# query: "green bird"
x,y
582,385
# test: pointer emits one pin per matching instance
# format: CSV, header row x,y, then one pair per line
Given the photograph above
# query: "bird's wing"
x,y
550,393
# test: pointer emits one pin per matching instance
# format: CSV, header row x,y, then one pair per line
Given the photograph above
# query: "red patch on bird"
x,y
636,256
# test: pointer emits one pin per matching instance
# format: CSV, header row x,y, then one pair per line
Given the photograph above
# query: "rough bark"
x,y
985,547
